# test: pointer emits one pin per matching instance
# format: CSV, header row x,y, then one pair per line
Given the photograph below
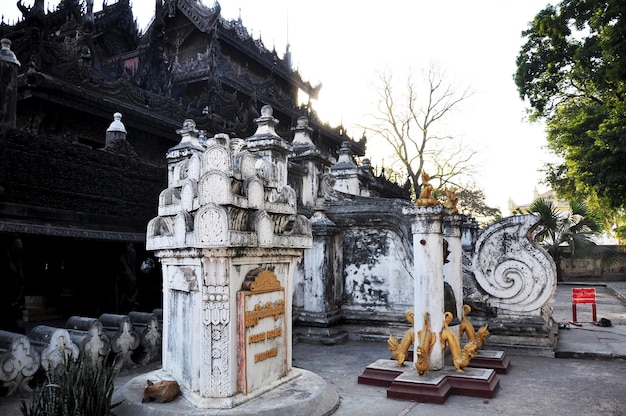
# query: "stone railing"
x,y
135,338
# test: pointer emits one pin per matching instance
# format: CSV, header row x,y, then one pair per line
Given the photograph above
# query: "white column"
x,y
428,276
453,269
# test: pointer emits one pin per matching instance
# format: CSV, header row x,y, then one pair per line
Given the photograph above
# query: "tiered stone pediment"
x,y
226,195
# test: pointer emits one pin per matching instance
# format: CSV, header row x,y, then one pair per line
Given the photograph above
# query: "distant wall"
x,y
591,267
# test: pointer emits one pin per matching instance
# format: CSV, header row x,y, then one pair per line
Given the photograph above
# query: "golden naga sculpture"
x,y
481,336
399,350
460,357
427,340
426,197
467,328
451,200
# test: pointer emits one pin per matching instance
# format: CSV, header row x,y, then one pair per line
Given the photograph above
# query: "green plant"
x,y
570,233
75,388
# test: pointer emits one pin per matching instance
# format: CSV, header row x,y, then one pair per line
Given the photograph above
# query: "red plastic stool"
x,y
584,295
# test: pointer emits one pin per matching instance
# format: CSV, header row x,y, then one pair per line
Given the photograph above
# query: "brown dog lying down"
x,y
161,391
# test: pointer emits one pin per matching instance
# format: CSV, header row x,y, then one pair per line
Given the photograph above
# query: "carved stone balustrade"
x,y
124,339
89,335
149,329
18,361
159,315
54,344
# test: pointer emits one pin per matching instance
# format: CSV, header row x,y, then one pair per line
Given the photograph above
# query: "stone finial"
x,y
8,84
115,141
367,166
345,155
303,132
266,124
6,54
189,129
116,131
117,124
189,140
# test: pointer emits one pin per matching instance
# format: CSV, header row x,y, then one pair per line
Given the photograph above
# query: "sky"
x,y
344,45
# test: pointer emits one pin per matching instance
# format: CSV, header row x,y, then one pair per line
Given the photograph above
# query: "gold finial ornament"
x,y
426,197
426,341
399,350
451,200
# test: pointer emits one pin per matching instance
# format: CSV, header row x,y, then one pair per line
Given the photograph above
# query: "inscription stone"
x,y
263,350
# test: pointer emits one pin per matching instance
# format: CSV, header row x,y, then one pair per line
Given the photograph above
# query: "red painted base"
x,y
420,392
496,360
485,386
378,377
404,382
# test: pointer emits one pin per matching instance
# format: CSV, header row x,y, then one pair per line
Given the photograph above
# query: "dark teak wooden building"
x,y
77,187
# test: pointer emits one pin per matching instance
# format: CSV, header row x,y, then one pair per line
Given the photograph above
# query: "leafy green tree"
x,y
572,72
570,234
472,201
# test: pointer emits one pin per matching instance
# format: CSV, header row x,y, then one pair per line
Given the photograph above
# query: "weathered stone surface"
x,y
124,339
518,274
19,361
376,263
88,334
54,344
518,278
150,338
241,219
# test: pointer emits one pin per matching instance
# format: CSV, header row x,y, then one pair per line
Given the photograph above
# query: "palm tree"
x,y
570,233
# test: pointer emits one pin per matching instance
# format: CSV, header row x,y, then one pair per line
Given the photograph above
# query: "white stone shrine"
x,y
228,237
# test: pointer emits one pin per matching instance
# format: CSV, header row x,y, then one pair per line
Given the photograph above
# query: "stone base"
x,y
496,360
523,335
539,347
306,394
323,328
326,336
404,382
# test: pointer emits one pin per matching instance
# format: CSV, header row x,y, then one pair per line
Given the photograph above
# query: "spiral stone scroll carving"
x,y
518,274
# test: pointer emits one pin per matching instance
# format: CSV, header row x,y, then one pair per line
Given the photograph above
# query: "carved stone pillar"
x,y
428,275
319,278
318,316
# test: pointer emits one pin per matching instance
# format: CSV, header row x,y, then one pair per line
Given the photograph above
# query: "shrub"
x,y
74,389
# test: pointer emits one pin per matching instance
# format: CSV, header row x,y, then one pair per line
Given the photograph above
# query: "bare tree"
x,y
407,122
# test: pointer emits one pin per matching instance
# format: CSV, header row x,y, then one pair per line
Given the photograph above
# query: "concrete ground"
x,y
588,379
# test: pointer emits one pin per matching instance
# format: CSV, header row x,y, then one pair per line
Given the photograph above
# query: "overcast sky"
x,y
344,44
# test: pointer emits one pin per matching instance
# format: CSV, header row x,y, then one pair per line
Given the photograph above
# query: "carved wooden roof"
x,y
190,63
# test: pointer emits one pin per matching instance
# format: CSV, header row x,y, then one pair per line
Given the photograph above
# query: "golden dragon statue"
x,y
460,357
427,340
399,350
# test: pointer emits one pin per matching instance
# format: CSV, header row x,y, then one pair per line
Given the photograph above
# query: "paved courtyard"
x,y
594,384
